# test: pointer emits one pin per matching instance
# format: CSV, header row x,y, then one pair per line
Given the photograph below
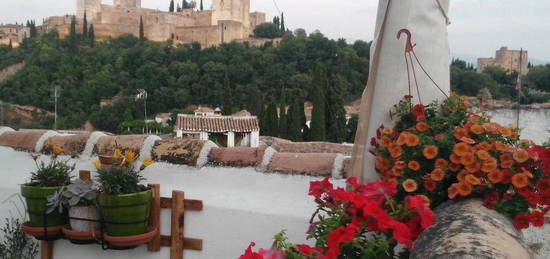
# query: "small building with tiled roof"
x,y
223,129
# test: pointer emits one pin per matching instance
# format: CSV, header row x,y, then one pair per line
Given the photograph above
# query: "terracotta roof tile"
x,y
217,124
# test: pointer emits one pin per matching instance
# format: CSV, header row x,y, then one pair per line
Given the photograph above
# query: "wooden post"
x,y
178,209
84,175
46,249
154,218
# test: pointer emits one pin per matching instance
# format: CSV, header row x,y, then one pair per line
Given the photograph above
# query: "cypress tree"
x,y
272,120
184,4
72,32
295,121
202,6
263,121
10,45
283,29
91,35
303,120
318,122
85,26
283,125
171,8
141,29
179,8
227,93
335,112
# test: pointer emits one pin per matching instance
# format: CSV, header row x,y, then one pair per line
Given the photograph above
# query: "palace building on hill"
x,y
510,60
227,21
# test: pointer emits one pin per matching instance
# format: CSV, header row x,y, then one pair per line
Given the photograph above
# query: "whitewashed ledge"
x,y
468,230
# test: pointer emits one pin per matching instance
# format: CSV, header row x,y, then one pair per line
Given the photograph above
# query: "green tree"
x,y
184,4
539,77
335,112
178,8
202,6
272,120
500,75
267,30
73,37
283,121
318,121
227,107
295,120
91,35
141,29
283,29
171,8
85,26
10,45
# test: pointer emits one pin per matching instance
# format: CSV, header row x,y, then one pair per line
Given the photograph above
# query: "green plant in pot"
x,y
45,181
80,199
124,202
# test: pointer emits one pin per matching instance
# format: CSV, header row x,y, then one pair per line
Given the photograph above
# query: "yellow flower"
x,y
147,161
97,164
117,154
57,150
130,156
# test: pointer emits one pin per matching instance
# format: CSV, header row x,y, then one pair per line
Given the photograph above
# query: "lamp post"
x,y
142,94
54,92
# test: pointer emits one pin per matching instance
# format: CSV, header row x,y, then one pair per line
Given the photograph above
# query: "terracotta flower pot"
x,y
131,241
42,233
126,215
37,206
110,161
81,237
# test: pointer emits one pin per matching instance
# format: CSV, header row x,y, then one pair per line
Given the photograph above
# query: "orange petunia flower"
x,y
467,159
385,141
468,140
410,185
452,192
439,137
430,185
507,132
455,159
506,156
382,164
441,163
422,126
392,180
464,188
400,164
473,168
398,171
414,165
454,167
395,150
520,180
507,164
387,131
484,146
430,152
521,156
495,176
461,149
412,140
477,129
471,179
483,155
500,146
460,133
489,166
402,138
491,127
437,175
462,175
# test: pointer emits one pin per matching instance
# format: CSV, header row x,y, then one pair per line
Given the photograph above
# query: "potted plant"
x,y
45,181
80,200
124,202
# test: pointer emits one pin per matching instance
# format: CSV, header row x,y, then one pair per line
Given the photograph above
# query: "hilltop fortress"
x,y
227,21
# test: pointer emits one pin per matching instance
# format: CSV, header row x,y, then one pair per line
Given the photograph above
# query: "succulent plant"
x,y
79,193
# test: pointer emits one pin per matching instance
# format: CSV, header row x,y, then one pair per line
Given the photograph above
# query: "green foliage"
x,y
14,243
272,120
141,29
91,35
539,77
352,128
295,120
79,193
53,174
85,26
120,180
335,112
318,121
171,8
268,30
283,117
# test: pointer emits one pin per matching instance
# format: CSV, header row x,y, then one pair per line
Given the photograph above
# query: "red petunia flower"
x,y
339,236
537,218
490,201
419,110
249,254
522,221
308,250
531,197
379,191
318,188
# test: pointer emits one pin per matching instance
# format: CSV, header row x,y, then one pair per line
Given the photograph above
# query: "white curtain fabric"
x,y
427,21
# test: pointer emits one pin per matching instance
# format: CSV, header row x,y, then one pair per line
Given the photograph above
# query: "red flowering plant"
x,y
364,222
446,151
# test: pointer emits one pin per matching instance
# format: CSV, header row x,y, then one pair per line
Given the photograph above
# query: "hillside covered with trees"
x,y
231,76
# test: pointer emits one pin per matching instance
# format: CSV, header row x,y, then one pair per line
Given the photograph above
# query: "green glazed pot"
x,y
131,211
37,205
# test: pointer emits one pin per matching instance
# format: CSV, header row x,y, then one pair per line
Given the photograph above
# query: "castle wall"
x,y
91,7
231,30
507,59
207,36
257,18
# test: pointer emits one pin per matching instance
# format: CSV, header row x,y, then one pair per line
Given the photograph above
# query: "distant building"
x,y
507,59
204,111
227,131
15,33
163,118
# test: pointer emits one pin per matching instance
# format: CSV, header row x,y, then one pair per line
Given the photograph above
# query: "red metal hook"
x,y
409,47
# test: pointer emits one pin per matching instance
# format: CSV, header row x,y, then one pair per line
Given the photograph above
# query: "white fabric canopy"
x,y
427,21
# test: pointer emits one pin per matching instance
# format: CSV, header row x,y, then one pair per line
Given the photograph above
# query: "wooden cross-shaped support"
x,y
176,240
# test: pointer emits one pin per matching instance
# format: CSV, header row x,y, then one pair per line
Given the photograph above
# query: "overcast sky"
x,y
479,27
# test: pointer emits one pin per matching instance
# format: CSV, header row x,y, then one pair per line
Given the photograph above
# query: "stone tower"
x,y
91,7
128,3
231,10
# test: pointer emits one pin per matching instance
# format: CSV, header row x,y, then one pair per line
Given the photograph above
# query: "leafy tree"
x,y
227,91
295,120
85,26
91,35
141,29
73,38
171,8
272,120
318,121
500,75
268,30
335,113
539,77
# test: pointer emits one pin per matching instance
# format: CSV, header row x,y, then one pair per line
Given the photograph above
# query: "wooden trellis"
x,y
176,240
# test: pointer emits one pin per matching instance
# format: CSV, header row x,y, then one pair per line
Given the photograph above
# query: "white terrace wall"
x,y
534,122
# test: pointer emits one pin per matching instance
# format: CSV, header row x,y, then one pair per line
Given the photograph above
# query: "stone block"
x,y
238,156
107,144
178,151
21,140
72,145
317,164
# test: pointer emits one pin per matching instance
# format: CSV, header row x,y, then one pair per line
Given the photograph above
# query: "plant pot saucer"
x,y
42,233
78,237
125,242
